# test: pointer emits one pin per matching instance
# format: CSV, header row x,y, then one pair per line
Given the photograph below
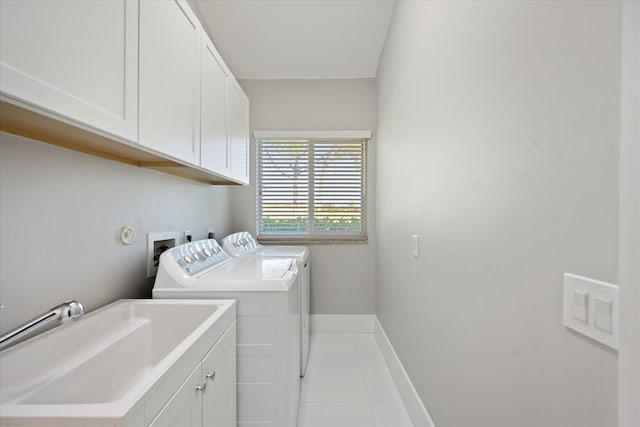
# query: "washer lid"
x,y
250,274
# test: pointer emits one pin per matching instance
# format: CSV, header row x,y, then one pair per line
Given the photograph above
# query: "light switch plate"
x,y
601,307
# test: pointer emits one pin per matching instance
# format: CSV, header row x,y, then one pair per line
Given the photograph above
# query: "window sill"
x,y
333,240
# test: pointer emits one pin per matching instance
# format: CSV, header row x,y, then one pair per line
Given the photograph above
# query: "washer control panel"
x,y
193,257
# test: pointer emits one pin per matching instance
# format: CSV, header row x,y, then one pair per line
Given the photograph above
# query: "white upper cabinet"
x,y
137,81
170,37
78,59
238,133
214,127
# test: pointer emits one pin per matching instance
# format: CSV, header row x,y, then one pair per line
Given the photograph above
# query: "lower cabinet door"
x,y
185,407
219,370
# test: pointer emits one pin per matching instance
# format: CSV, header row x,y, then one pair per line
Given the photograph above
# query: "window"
x,y
311,189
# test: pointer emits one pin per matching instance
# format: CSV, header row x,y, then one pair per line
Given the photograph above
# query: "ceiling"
x,y
298,39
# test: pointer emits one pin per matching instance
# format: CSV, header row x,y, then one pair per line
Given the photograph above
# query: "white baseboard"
x,y
415,408
343,323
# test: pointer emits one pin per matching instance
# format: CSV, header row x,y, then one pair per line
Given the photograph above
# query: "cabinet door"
x,y
219,369
169,79
214,153
238,133
78,59
184,409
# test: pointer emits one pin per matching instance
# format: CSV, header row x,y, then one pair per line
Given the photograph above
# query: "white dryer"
x,y
243,244
268,319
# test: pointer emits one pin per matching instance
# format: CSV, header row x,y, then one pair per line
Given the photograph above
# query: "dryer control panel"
x,y
193,257
240,243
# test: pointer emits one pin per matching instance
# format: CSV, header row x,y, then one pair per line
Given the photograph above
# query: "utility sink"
x,y
116,366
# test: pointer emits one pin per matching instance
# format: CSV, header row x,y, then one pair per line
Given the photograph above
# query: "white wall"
x,y
497,143
342,276
629,359
60,212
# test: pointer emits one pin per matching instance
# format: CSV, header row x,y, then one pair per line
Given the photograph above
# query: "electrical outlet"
x,y
187,236
210,233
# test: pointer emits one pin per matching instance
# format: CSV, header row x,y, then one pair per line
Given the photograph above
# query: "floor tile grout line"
x,y
366,387
354,344
387,371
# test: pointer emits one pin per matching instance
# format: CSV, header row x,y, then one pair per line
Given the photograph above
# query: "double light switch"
x,y
590,307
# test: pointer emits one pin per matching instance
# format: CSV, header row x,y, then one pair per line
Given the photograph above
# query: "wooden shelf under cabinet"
x,y
25,122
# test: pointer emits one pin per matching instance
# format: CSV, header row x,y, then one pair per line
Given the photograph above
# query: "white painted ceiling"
x,y
298,39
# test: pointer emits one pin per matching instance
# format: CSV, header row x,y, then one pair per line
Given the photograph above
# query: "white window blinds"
x,y
311,190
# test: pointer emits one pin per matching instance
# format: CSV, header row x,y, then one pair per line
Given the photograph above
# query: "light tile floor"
x,y
348,384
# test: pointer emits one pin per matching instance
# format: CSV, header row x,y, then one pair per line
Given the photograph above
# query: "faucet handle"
x,y
71,310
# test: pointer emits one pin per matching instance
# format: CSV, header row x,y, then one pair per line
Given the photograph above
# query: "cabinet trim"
x,y
19,119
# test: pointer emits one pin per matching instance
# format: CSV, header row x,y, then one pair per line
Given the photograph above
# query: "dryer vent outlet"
x,y
157,243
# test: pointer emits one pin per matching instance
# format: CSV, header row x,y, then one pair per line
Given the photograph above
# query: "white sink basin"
x,y
115,366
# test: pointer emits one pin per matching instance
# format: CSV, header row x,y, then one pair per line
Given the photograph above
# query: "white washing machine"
x,y
243,244
268,320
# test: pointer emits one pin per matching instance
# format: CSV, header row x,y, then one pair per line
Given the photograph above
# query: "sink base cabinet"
x,y
185,407
219,370
208,396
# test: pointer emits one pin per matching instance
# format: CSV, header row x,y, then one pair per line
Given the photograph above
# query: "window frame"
x,y
311,138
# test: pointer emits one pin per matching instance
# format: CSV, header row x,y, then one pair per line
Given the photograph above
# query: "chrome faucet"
x,y
63,313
